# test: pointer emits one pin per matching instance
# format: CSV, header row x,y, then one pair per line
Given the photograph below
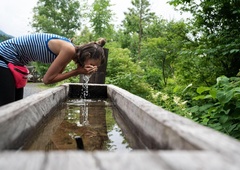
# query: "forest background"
x,y
189,67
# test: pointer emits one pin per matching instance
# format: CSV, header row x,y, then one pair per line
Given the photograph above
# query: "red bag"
x,y
20,74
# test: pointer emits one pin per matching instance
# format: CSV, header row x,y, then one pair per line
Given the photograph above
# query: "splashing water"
x,y
85,121
83,117
84,108
86,79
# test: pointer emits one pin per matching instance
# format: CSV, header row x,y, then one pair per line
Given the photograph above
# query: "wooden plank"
x,y
198,160
136,160
22,160
68,160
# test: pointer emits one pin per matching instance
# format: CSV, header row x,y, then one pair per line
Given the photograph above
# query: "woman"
x,y
45,48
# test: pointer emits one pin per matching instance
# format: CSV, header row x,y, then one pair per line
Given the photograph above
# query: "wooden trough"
x,y
171,142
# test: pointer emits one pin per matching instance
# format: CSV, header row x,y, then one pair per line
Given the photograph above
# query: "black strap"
x,y
3,59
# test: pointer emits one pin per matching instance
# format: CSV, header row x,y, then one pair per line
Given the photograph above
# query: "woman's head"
x,y
90,51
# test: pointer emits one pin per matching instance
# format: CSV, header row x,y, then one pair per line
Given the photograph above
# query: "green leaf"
x,y
222,80
200,90
194,109
199,97
213,93
232,127
208,97
223,119
237,89
234,51
212,109
205,121
216,126
205,107
224,96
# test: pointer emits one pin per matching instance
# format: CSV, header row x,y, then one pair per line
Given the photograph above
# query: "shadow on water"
x,y
80,124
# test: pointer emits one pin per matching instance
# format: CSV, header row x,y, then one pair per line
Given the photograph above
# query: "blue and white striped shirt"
x,y
24,49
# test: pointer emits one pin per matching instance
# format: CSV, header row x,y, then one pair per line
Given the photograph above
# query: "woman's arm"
x,y
66,52
55,71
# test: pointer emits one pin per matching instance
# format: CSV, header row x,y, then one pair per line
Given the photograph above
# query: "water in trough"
x,y
87,124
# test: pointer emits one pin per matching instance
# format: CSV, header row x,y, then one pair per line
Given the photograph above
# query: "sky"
x,y
15,15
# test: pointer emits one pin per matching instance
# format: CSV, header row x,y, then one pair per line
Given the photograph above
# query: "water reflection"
x,y
101,129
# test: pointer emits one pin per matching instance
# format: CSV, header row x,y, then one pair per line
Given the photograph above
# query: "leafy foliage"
x,y
100,18
137,19
61,17
124,73
219,106
216,27
41,68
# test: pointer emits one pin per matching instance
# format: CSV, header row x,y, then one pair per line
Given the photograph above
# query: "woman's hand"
x,y
87,69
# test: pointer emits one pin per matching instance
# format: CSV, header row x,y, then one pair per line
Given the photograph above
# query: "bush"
x,y
219,106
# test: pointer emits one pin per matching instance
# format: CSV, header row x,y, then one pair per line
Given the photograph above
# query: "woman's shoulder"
x,y
58,45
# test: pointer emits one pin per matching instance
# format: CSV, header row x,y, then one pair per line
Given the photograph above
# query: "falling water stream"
x,y
84,108
86,79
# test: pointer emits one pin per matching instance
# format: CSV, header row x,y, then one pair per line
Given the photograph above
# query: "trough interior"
x,y
54,125
80,124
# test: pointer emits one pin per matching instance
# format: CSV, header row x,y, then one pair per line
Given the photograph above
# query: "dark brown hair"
x,y
93,50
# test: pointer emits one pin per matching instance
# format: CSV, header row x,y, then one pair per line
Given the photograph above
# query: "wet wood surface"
x,y
135,160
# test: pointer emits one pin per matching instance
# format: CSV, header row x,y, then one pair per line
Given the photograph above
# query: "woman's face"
x,y
93,62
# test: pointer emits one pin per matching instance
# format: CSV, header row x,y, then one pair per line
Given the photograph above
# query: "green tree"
x,y
216,29
57,16
100,18
137,20
155,28
85,36
162,52
122,72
